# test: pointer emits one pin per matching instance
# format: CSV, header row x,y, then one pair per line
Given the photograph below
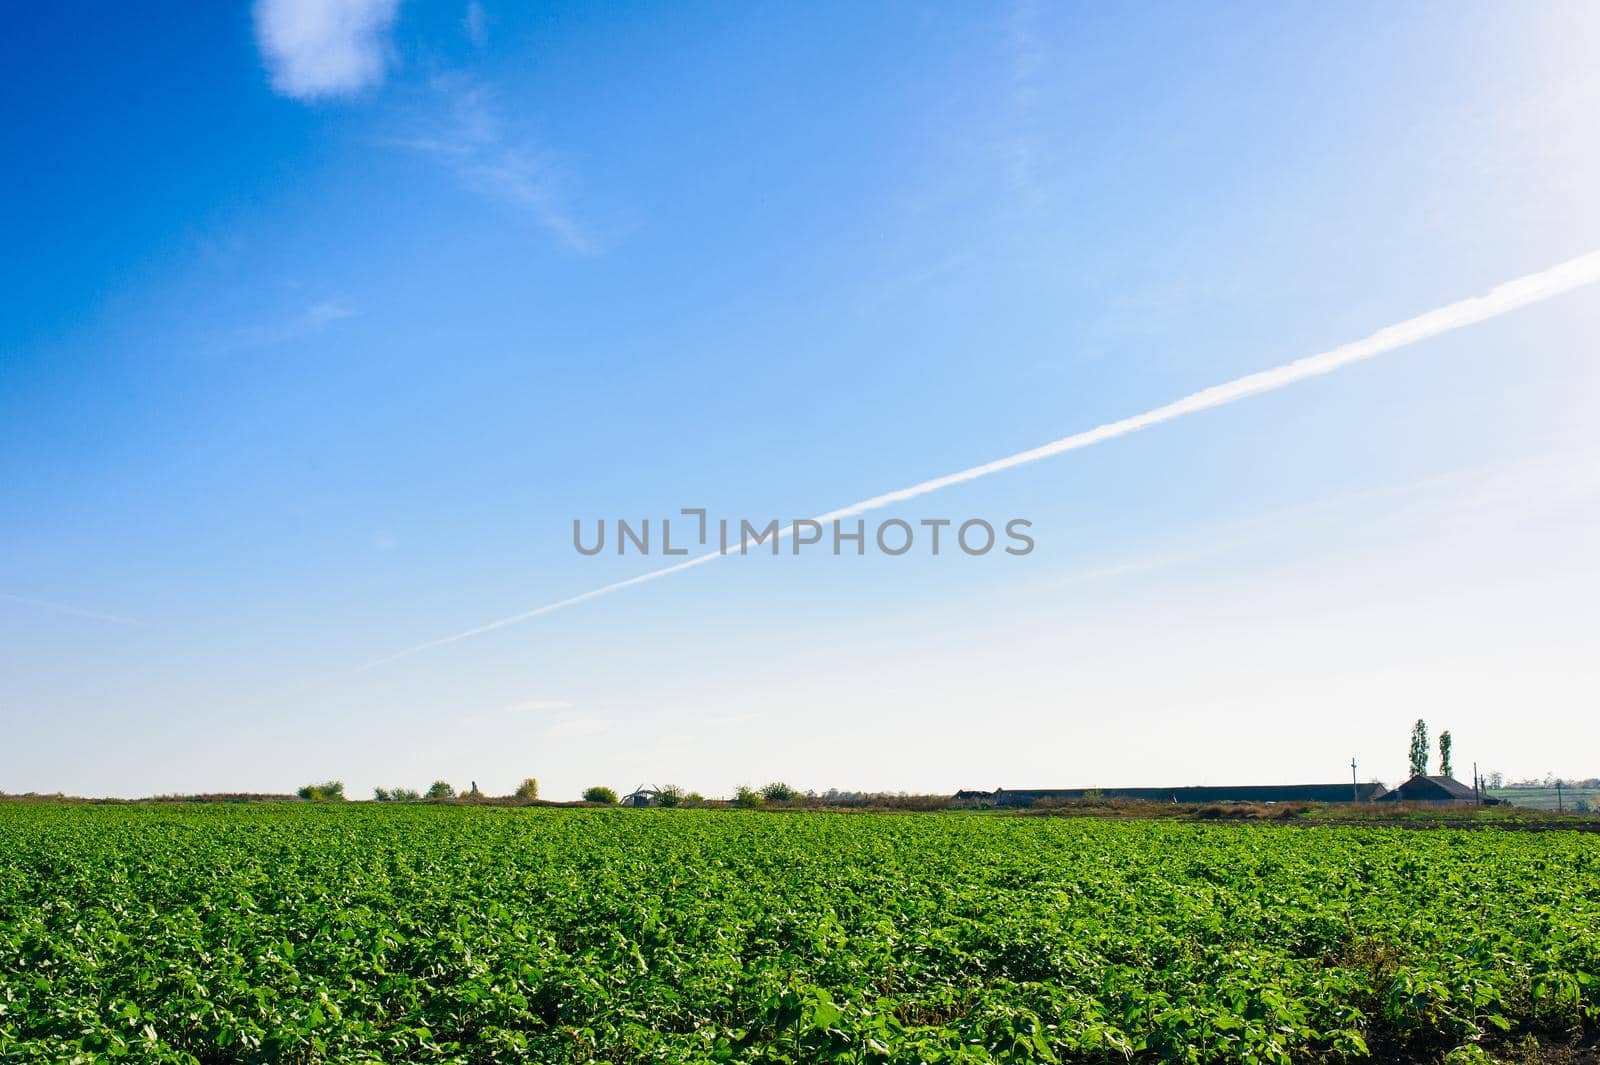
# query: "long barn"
x,y
1331,793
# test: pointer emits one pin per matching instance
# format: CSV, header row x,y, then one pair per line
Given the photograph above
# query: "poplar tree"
x,y
1419,748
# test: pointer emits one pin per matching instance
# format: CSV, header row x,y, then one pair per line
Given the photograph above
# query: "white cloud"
x,y
61,608
309,320
320,314
320,48
540,704
498,162
476,24
577,728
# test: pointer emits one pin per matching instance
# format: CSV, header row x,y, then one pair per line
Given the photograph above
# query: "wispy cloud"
x,y
1021,142
322,312
1530,491
61,608
316,49
476,24
539,704
1502,299
469,136
307,320
577,728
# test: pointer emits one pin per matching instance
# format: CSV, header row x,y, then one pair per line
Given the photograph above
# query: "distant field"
x,y
1545,798
360,933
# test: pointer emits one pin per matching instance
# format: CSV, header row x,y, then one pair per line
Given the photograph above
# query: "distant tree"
x,y
748,798
1444,754
778,791
440,789
1497,779
406,795
694,798
669,795
528,789
382,795
327,791
600,794
1419,748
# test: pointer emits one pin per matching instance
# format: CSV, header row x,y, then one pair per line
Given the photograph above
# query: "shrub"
x,y
441,789
382,795
748,798
778,791
694,798
600,795
327,791
669,795
528,789
405,795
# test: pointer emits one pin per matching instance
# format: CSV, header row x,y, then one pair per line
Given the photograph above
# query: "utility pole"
x,y
1477,796
1355,789
1560,809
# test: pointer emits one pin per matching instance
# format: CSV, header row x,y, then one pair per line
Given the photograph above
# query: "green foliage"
x,y
1444,754
669,795
778,791
599,794
440,789
748,798
382,795
405,795
354,933
528,789
694,798
327,791
1419,748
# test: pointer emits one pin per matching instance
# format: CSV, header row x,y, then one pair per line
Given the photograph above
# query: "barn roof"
x,y
1330,793
1453,786
1423,788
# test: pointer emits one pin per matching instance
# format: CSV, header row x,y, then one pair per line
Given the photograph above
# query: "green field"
x,y
1573,800
418,933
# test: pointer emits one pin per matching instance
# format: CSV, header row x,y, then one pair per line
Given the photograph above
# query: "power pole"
x,y
1355,789
1560,809
1477,796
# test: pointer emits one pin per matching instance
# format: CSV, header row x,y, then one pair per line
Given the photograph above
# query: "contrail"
x,y
1502,299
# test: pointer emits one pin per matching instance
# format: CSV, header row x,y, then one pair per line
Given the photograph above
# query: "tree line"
x,y
669,795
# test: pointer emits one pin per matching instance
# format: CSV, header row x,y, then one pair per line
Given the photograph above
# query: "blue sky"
x,y
324,321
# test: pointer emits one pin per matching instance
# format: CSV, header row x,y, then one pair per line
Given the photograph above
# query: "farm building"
x,y
1431,789
1241,793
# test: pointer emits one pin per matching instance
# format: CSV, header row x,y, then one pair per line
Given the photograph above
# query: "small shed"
x,y
1431,789
641,796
